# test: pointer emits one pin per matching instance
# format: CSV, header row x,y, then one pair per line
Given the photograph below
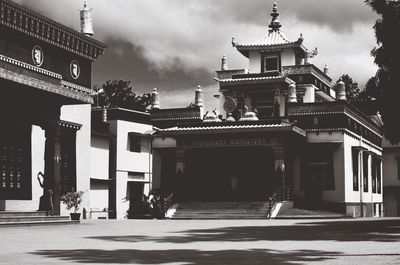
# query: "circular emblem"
x,y
230,104
37,56
74,69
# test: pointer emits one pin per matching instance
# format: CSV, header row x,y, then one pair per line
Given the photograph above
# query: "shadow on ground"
x,y
192,257
357,230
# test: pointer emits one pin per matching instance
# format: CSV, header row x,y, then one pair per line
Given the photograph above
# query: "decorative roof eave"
x,y
232,129
307,69
70,125
11,70
336,107
176,114
256,80
35,25
246,48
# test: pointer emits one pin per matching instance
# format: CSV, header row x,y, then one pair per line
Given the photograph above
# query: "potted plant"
x,y
73,200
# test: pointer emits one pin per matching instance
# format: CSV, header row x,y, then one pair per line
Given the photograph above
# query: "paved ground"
x,y
366,241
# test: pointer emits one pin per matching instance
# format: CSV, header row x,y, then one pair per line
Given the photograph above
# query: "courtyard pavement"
x,y
361,241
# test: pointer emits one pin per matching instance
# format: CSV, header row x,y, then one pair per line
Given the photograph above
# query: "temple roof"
x,y
275,38
28,22
257,79
230,127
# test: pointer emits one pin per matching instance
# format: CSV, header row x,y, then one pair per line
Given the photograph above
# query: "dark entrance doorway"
x,y
136,199
228,174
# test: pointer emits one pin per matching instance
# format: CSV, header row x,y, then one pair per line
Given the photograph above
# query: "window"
x,y
317,169
379,177
271,64
365,171
320,172
374,175
355,169
134,143
398,167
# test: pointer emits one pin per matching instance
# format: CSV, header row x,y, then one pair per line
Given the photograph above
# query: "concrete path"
x,y
361,241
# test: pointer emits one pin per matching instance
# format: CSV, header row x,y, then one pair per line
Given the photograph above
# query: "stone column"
x,y
181,181
279,154
277,103
52,158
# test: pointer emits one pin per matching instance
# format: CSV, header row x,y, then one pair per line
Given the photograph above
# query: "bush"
x,y
72,200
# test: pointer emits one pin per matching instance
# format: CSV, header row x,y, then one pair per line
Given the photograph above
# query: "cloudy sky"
x,y
175,45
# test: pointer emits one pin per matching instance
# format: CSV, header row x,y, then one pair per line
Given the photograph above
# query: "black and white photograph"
x,y
196,132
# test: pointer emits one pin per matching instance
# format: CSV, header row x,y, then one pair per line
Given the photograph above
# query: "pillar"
x,y
277,103
52,164
280,168
292,96
180,172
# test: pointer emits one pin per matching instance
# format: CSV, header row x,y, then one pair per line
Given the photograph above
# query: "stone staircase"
x,y
14,218
221,210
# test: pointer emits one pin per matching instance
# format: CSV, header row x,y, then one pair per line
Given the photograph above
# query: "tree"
x,y
387,57
371,90
352,90
119,93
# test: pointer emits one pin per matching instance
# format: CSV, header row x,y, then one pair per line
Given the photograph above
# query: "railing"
x,y
281,193
168,202
272,200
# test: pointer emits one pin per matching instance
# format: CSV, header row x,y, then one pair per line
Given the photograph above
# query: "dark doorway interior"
x,y
228,174
136,203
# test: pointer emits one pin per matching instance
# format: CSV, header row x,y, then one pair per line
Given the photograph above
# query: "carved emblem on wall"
x,y
37,56
74,69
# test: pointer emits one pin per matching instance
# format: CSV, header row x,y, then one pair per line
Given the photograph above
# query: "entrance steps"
x,y
14,218
221,210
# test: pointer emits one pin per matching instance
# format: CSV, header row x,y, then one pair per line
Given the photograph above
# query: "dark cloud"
x,y
126,61
175,45
339,15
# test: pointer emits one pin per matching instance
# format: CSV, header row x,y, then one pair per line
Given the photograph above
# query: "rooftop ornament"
x,y
211,117
275,25
341,90
249,116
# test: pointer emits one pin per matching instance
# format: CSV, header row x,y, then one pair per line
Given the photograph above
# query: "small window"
x,y
134,143
365,171
271,64
355,170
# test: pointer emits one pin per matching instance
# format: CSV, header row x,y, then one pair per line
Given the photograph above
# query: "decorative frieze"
x,y
15,17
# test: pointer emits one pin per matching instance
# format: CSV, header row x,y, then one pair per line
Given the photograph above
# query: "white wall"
x,y
80,114
351,140
99,196
309,96
122,205
288,57
128,161
99,157
254,62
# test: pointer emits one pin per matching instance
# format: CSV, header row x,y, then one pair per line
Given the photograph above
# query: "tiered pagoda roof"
x,y
275,38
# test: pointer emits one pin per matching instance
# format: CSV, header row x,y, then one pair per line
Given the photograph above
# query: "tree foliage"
x,y
119,93
387,57
352,90
371,91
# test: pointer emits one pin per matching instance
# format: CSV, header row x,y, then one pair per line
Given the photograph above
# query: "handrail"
x,y
169,202
272,200
281,193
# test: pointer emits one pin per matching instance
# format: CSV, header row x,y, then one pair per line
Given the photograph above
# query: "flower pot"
x,y
75,216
